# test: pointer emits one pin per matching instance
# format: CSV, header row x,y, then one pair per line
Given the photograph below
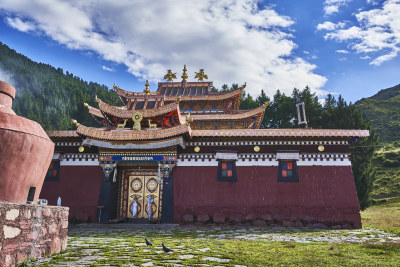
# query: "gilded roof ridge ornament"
x,y
170,76
184,74
74,122
189,119
147,89
86,105
116,87
201,75
266,104
178,99
244,85
98,100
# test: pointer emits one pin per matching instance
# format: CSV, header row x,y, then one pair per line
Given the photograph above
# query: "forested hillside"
x,y
383,109
47,95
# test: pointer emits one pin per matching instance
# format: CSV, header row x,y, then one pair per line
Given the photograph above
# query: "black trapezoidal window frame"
x,y
53,173
294,178
221,178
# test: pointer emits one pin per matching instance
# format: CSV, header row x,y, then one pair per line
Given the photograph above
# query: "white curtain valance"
x,y
226,155
287,155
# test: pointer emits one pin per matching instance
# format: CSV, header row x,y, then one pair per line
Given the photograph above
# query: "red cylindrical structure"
x,y
25,152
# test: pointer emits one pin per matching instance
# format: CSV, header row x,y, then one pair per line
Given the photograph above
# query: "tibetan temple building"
x,y
192,156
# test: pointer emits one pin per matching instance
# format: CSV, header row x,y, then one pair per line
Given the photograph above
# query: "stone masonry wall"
x,y
31,231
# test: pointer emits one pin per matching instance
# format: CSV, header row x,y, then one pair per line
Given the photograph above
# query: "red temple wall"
x,y
79,189
323,194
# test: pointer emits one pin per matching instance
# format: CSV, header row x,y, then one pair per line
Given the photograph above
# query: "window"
x,y
227,171
287,171
53,171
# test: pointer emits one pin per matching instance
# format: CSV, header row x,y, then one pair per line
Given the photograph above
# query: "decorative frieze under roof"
x,y
296,132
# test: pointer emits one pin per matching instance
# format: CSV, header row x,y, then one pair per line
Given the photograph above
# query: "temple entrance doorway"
x,y
137,184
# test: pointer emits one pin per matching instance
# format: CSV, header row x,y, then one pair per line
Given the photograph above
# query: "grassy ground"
x,y
201,247
385,216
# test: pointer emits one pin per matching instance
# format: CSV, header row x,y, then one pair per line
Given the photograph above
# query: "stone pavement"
x,y
123,245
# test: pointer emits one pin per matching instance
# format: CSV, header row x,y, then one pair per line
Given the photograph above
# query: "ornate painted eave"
x,y
236,116
123,113
132,135
281,133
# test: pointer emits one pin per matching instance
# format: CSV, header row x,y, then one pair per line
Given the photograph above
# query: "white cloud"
x,y
234,41
329,26
20,25
377,33
332,6
342,51
107,68
6,77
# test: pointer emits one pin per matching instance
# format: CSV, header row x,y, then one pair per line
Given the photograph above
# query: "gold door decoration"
x,y
139,185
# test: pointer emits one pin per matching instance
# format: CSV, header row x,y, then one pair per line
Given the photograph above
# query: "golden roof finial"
x,y
74,122
147,90
201,75
86,105
266,104
169,76
97,99
178,99
184,74
189,119
116,87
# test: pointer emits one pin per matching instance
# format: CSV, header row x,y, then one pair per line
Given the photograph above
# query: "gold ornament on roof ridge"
x,y
178,99
201,75
74,122
169,76
189,119
137,118
86,105
184,74
97,99
266,104
116,87
147,89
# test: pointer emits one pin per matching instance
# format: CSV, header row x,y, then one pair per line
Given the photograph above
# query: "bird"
x,y
165,248
148,242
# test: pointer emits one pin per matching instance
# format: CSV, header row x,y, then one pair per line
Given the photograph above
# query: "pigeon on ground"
x,y
148,242
165,248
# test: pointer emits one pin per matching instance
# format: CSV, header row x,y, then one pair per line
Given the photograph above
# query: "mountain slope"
x,y
383,109
47,95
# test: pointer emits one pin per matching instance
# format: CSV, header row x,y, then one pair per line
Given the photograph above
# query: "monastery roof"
x,y
62,134
124,113
238,115
194,91
281,133
128,135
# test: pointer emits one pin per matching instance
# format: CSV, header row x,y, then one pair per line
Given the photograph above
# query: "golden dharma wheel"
x,y
81,149
137,117
256,148
196,149
321,148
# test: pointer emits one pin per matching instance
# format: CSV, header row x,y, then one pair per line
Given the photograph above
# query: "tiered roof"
x,y
185,109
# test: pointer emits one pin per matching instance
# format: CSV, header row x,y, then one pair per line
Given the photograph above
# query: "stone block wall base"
x,y
30,231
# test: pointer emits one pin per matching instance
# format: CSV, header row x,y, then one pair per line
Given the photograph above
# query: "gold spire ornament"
x,y
74,122
266,104
184,74
147,90
169,76
201,75
189,119
116,87
97,99
178,99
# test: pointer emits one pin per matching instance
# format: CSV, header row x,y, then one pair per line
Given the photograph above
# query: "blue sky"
x,y
347,47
